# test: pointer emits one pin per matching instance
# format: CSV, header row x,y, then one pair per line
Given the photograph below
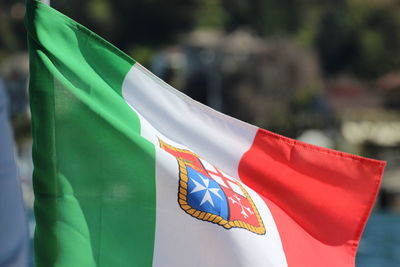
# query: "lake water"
x,y
380,244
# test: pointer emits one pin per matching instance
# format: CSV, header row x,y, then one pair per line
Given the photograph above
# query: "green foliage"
x,y
361,38
142,54
134,23
211,15
266,17
357,37
335,41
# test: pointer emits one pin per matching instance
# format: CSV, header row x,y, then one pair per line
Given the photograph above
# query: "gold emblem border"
x,y
206,216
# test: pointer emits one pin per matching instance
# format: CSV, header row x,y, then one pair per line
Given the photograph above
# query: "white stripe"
x,y
219,138
182,240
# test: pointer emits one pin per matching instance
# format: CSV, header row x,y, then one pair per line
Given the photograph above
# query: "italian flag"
x,y
130,172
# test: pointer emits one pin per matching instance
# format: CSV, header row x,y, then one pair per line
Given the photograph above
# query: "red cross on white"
x,y
222,178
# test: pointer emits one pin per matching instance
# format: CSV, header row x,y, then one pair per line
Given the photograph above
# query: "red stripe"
x,y
320,198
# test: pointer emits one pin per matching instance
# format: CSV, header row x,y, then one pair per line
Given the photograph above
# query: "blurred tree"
x,y
266,17
139,22
359,37
335,42
152,22
211,14
379,42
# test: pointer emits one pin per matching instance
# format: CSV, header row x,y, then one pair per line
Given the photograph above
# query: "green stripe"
x,y
94,177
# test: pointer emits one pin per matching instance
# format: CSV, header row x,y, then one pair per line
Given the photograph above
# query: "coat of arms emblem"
x,y
208,194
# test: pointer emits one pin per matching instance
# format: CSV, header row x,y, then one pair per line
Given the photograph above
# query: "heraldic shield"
x,y
208,194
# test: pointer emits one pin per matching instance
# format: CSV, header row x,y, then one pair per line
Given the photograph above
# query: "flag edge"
x,y
33,4
323,150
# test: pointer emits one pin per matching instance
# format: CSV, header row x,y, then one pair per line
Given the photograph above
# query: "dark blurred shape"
x,y
335,41
271,82
17,11
266,17
389,86
359,38
386,199
131,23
14,246
12,31
14,70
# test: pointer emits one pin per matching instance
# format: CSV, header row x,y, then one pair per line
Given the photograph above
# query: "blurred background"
x,y
325,72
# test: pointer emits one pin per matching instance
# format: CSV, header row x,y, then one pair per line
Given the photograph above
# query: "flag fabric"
x,y
130,172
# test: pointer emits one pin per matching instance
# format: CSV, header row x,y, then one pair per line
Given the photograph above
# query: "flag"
x,y
131,172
